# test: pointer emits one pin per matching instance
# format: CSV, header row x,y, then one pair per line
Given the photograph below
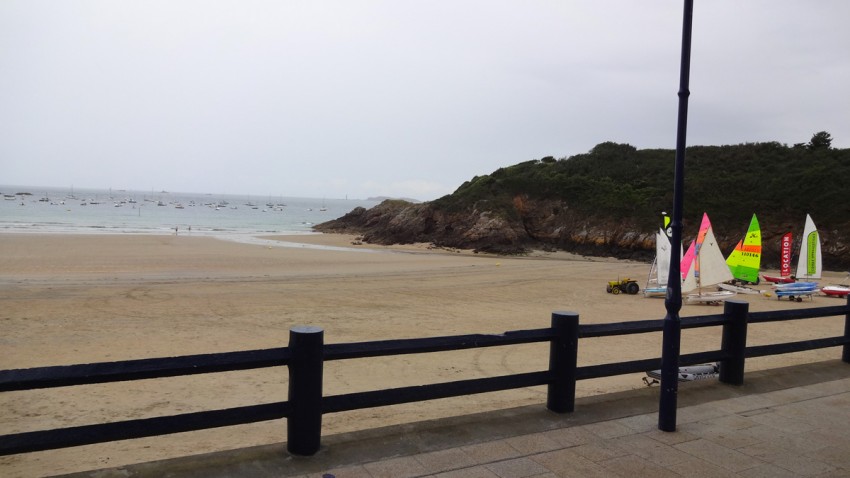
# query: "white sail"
x,y
809,264
662,257
690,282
712,265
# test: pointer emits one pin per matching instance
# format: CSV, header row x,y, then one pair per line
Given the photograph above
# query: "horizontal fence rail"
x,y
306,353
383,348
105,372
140,428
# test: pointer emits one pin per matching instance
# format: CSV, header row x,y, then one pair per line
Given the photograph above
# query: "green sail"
x,y
744,262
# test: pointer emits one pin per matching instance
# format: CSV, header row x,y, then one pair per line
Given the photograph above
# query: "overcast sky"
x,y
395,98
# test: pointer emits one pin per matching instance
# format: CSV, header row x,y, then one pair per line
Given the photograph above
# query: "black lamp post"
x,y
673,302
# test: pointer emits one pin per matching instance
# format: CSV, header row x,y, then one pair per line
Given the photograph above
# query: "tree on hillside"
x,y
821,140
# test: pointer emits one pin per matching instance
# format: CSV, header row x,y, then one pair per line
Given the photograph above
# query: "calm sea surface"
x,y
90,211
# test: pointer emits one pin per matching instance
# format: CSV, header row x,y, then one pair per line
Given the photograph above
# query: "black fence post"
x,y
304,425
734,342
563,360
845,353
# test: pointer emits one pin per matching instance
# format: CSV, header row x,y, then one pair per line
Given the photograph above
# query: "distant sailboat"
x,y
744,262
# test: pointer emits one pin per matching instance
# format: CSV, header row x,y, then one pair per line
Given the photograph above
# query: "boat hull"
x,y
710,298
655,292
778,280
797,294
689,374
799,286
738,289
836,291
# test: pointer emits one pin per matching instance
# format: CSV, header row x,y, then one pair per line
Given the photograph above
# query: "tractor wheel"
x,y
608,288
632,288
615,290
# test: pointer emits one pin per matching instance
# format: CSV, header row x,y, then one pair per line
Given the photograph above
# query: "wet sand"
x,y
77,299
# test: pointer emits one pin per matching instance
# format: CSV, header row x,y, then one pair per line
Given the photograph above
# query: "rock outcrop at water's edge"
x,y
537,224
546,225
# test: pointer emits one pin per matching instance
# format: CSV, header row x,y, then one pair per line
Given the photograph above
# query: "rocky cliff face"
x,y
538,224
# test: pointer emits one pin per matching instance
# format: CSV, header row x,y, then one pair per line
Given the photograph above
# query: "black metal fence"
x,y
307,353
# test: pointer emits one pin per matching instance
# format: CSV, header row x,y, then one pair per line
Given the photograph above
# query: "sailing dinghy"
x,y
693,249
656,285
712,271
744,262
809,265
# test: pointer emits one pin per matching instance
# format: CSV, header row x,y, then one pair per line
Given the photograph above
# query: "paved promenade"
x,y
781,423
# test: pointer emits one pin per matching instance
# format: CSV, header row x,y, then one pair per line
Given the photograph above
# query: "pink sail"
x,y
693,249
687,259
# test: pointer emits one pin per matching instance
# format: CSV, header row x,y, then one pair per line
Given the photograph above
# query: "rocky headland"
x,y
608,203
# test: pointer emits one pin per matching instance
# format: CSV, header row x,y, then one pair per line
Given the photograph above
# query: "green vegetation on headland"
x,y
609,201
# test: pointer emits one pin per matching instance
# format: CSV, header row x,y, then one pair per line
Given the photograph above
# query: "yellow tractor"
x,y
628,286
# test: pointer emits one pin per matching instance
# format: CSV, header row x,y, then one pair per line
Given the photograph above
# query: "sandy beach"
x,y
71,299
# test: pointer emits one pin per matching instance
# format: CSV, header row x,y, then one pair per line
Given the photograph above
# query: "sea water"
x,y
92,211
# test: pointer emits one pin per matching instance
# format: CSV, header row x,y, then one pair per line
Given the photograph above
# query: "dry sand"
x,y
77,299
